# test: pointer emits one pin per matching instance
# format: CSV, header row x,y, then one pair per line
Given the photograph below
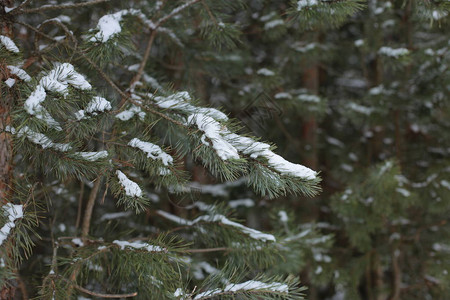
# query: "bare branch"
x,y
90,208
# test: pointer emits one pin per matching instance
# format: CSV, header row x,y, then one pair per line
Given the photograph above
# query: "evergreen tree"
x,y
130,164
367,105
103,129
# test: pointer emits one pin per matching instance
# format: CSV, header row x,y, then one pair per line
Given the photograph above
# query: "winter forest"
x,y
215,149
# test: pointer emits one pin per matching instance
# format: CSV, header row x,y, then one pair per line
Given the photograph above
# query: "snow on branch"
x,y
57,80
42,139
213,130
153,151
127,114
8,44
227,145
132,189
180,101
139,245
93,156
19,73
391,52
217,218
12,212
306,3
109,25
251,285
95,106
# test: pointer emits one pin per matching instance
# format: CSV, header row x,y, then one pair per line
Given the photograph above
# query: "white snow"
x,y
19,73
256,149
153,151
445,184
8,44
241,202
265,72
360,108
10,82
283,216
213,130
93,156
33,103
208,294
181,101
441,247
283,95
335,142
8,9
273,24
306,3
57,80
309,98
98,104
174,218
95,106
139,245
359,43
320,257
63,75
42,140
12,212
179,292
64,19
298,235
117,215
347,168
109,25
227,145
257,285
437,14
198,269
391,52
127,114
78,242
131,188
267,17
403,191
176,10
302,48
253,233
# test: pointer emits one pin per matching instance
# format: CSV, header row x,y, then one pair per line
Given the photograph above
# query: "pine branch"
x,y
174,12
81,289
19,9
150,43
142,64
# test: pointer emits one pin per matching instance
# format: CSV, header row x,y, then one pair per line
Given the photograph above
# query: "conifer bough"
x,y
86,110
